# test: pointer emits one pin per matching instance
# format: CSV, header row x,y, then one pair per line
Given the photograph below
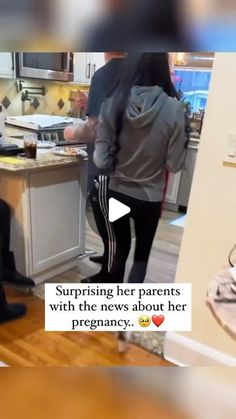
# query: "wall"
x,y
210,231
48,104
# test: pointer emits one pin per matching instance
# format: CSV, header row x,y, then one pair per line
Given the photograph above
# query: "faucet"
x,y
25,96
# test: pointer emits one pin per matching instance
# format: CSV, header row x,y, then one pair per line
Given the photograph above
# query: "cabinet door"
x,y
85,65
82,68
57,217
173,188
98,60
7,65
187,176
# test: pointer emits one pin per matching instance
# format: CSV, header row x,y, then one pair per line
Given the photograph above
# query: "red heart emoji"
x,y
158,320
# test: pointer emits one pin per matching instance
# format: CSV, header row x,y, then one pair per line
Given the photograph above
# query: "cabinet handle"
x,y
12,61
88,75
67,57
94,69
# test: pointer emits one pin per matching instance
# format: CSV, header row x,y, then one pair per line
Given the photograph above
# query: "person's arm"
x,y
176,152
103,155
85,131
82,100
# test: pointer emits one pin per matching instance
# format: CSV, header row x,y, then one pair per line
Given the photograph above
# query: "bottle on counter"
x,y
2,125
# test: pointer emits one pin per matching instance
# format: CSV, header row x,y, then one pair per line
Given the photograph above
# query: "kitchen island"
x,y
47,197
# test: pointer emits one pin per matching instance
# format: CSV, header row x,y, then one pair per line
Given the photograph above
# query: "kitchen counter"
x,y
44,160
47,197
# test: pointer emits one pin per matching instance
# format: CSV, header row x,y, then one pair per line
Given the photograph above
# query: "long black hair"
x,y
147,69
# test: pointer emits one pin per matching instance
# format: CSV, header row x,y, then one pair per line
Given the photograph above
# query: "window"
x,y
194,86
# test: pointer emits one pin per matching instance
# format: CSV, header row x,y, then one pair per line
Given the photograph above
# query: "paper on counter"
x,y
11,160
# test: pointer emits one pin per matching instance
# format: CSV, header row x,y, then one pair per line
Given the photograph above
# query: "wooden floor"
x,y
25,343
162,263
164,255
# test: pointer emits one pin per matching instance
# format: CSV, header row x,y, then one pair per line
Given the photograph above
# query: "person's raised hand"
x,y
81,100
69,133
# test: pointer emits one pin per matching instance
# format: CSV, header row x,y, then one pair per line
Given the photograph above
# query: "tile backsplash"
x,y
55,102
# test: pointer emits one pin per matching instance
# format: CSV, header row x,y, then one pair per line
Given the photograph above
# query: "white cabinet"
x,y
179,184
173,188
55,217
48,217
96,60
187,175
85,65
80,68
7,65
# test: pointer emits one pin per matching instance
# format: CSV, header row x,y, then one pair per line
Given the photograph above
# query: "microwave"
x,y
45,65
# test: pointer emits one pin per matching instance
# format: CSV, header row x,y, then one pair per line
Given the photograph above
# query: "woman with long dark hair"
x,y
141,134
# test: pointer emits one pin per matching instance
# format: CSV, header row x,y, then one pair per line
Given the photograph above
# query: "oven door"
x,y
45,65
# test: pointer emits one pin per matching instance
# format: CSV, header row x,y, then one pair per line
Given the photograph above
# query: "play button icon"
x,y
117,210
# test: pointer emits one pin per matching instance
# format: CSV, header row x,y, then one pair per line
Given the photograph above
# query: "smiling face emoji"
x,y
144,321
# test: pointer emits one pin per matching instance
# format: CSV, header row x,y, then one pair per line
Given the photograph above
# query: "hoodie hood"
x,y
145,103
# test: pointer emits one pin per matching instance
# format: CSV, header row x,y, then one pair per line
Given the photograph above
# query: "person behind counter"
x,y
102,83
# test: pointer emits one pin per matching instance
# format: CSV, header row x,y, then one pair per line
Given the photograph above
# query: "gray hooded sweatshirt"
x,y
152,140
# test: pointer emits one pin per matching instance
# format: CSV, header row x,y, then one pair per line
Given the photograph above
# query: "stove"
x,y
46,127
